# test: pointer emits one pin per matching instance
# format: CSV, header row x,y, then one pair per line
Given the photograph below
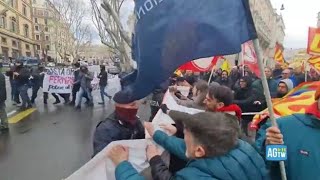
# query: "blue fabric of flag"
x,y
169,33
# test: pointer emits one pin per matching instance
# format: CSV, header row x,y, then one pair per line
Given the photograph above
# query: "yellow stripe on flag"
x,y
20,116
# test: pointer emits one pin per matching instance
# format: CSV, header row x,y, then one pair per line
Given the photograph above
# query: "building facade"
x,y
318,24
51,35
16,29
270,28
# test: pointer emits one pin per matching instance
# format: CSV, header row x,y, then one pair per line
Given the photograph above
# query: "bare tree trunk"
x,y
107,21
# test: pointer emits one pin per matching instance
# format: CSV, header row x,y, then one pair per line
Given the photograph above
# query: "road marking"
x,y
20,116
11,113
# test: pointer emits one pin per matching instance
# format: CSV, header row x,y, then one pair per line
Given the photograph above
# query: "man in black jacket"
x,y
22,75
37,82
3,98
123,124
103,76
76,87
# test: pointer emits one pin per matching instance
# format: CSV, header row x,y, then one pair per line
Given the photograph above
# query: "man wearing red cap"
x,y
301,134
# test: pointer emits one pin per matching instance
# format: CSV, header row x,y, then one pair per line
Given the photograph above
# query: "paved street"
x,y
51,142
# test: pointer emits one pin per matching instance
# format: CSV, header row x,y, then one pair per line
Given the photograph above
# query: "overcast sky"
x,y
298,16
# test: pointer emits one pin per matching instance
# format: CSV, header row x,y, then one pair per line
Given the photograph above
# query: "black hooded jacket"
x,y
245,97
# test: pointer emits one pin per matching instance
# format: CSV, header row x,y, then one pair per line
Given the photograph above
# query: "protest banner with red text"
x,y
58,80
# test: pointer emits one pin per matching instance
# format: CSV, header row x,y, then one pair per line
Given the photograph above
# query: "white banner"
x,y
101,167
58,80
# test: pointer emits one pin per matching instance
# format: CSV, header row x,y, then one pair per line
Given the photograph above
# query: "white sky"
x,y
298,16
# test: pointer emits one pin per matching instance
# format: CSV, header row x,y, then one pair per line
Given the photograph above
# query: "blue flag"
x,y
170,33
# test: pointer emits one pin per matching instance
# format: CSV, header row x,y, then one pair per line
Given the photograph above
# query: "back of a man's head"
x,y
221,94
202,86
216,132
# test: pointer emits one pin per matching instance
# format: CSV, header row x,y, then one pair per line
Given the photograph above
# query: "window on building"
x,y
12,3
46,29
3,21
38,47
36,28
26,30
27,47
4,40
14,43
47,38
36,20
48,47
24,9
46,13
13,24
34,1
46,21
37,37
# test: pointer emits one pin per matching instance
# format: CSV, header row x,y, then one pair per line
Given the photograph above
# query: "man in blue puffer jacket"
x,y
211,147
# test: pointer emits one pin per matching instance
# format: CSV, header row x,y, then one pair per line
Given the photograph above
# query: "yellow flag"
x,y
226,66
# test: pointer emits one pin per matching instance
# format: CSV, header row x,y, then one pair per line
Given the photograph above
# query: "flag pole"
x,y
211,74
305,71
268,97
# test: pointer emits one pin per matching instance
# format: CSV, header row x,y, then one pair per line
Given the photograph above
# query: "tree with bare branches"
x,y
71,32
106,17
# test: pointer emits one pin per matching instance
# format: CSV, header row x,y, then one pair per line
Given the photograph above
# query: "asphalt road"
x,y
51,142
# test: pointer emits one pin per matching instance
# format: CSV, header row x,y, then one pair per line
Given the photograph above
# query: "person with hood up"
x,y
247,98
301,134
122,124
210,146
284,87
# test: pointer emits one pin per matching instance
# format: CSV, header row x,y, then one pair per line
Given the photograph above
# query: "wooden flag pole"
x,y
305,71
268,97
211,74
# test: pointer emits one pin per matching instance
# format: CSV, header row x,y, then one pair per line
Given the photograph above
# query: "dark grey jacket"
x,y
3,91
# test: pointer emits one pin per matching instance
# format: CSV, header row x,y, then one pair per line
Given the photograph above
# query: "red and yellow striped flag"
x,y
278,56
297,101
314,61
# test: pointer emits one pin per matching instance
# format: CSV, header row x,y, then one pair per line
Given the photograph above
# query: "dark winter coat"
x,y
103,76
112,129
23,77
224,82
245,97
3,91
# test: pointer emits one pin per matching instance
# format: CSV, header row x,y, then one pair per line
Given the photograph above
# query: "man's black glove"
x,y
164,108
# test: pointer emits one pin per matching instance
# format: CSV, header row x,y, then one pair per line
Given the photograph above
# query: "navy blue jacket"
x,y
112,129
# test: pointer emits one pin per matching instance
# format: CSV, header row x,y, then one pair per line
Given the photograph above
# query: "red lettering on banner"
x,y
60,80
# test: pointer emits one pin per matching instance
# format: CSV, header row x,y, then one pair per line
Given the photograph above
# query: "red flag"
x,y
249,57
200,65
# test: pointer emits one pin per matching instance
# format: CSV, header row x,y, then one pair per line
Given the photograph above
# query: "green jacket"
x,y
273,85
242,163
302,136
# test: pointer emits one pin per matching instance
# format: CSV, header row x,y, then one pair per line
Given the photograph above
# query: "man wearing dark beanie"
x,y
122,124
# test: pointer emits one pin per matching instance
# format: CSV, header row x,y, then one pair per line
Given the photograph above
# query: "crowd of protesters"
x,y
214,144
22,78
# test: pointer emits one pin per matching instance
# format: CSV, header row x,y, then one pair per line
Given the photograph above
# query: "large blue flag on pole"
x,y
169,33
